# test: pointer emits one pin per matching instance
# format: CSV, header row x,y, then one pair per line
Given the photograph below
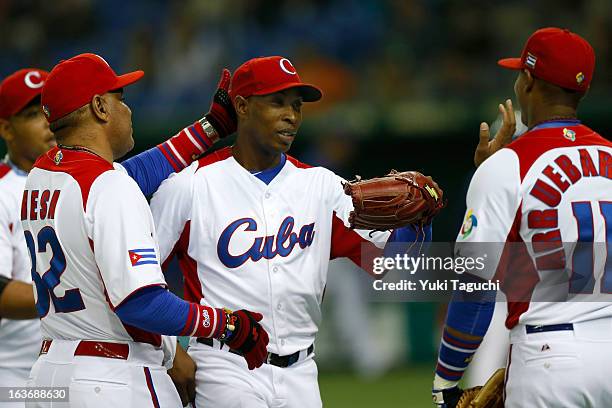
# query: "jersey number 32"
x,y
48,281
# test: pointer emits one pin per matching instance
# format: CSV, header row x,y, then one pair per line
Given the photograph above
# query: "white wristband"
x,y
440,383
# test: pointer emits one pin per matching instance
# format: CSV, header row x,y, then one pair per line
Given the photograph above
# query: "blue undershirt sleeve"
x,y
471,318
155,309
148,169
409,234
467,321
407,240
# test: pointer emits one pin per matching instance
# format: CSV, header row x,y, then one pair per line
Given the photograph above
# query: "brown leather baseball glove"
x,y
490,395
395,200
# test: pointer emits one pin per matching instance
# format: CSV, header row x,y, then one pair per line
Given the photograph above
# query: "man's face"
x,y
121,139
274,119
30,135
521,96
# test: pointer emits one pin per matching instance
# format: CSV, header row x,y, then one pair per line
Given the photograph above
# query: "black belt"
x,y
548,328
274,359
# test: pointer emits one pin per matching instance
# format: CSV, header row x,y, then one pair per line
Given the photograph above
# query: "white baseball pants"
x,y
101,382
561,369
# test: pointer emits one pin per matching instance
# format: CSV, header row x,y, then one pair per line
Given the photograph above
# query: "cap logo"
x,y
287,66
579,78
33,84
531,60
103,60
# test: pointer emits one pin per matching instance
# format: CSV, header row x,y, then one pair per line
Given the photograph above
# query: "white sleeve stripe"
x,y
176,153
188,133
216,315
197,323
450,367
462,350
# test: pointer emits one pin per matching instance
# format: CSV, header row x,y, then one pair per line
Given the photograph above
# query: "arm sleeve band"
x,y
466,325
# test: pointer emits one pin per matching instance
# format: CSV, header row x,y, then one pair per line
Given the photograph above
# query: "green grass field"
x,y
406,388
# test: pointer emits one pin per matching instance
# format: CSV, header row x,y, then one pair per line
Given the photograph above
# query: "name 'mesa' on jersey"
x,y
39,206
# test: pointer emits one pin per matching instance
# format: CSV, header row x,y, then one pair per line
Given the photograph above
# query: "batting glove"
x,y
248,337
447,398
222,115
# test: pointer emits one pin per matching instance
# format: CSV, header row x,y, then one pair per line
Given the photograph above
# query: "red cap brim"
x,y
310,93
19,106
510,63
128,79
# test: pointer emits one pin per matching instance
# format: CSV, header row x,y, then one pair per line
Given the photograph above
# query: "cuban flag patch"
x,y
143,256
531,60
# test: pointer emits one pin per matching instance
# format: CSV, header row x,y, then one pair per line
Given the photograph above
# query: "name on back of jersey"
x,y
548,189
37,205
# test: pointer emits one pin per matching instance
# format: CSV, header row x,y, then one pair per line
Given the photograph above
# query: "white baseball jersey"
x,y
19,339
242,243
90,231
550,187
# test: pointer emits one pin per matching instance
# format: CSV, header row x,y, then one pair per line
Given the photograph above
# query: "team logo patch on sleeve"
x,y
469,223
143,256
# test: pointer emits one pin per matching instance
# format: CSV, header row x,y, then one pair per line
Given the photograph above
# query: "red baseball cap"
x,y
266,75
73,83
19,89
557,56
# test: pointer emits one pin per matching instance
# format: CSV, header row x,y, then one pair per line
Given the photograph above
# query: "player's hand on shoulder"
x,y
182,374
246,335
503,136
222,115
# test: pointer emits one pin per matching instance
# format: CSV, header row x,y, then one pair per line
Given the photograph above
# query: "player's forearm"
x,y
17,301
411,241
466,325
159,311
151,167
184,147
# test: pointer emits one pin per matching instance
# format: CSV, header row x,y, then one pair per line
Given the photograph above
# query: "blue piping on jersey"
x,y
556,123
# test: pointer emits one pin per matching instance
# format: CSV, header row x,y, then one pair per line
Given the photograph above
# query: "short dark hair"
x,y
69,120
561,95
